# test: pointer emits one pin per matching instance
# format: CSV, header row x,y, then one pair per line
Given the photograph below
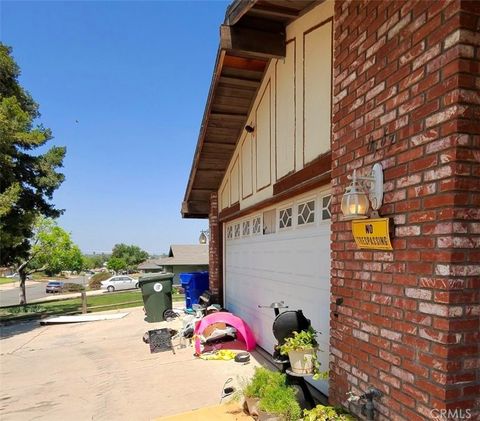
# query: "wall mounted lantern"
x,y
355,202
203,239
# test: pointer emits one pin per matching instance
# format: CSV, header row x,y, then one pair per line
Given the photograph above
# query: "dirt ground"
x,y
104,371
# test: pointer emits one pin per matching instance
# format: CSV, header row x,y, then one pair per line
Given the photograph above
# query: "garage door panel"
x,y
259,320
300,285
295,262
291,266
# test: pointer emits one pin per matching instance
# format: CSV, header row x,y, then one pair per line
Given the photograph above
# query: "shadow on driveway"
x,y
17,328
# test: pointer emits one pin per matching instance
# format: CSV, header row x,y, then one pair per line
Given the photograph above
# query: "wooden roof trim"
x,y
234,212
237,10
200,209
240,10
276,10
201,137
253,42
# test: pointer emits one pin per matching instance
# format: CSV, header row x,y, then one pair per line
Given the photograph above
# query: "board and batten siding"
x,y
291,114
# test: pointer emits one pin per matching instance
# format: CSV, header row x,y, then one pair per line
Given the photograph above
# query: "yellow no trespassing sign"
x,y
372,234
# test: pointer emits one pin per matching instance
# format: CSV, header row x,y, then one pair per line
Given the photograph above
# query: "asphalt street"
x,y
34,291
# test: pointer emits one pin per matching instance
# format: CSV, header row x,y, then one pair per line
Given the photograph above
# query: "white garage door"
x,y
292,264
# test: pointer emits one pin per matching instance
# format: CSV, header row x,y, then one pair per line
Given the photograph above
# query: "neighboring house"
x,y
302,94
150,266
185,258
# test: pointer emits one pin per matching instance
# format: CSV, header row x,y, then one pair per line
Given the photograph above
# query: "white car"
x,y
119,282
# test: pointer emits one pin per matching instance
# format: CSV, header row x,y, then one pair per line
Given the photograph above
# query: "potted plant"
x,y
301,349
267,397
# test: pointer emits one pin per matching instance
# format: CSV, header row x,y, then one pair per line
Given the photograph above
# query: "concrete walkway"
x,y
104,371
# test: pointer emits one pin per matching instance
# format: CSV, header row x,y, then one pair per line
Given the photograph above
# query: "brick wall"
x,y
406,94
215,251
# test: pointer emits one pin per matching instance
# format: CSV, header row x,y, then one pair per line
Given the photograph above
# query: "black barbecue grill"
x,y
283,327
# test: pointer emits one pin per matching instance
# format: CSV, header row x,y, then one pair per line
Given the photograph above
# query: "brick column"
x,y
406,94
215,251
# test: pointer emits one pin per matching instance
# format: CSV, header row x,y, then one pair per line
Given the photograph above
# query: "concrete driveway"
x,y
103,371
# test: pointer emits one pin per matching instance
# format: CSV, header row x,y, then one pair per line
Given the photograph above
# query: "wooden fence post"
x,y
84,302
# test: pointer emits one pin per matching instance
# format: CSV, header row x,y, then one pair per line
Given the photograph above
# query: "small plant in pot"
x,y
267,397
301,349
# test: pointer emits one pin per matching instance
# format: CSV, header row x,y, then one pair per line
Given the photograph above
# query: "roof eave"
x,y
245,20
201,138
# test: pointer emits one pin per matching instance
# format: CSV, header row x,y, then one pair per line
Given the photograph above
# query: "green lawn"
x,y
7,280
74,305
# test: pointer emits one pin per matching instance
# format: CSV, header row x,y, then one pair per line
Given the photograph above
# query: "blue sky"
x,y
135,75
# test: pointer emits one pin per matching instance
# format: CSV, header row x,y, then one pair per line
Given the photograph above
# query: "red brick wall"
x,y
215,251
409,324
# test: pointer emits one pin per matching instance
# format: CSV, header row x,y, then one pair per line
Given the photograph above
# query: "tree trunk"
x,y
23,277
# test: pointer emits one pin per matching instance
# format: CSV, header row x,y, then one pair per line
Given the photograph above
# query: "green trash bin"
x,y
157,295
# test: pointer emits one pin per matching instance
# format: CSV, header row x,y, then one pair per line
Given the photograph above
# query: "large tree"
x,y
116,264
94,261
28,177
51,250
132,255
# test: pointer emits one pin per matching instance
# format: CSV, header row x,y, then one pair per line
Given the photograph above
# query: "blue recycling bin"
x,y
194,284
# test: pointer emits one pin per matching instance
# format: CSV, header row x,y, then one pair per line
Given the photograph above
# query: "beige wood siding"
x,y
234,183
285,113
225,194
247,166
263,140
290,115
317,91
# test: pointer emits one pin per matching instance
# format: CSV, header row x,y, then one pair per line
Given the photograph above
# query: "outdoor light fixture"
x,y
203,239
355,202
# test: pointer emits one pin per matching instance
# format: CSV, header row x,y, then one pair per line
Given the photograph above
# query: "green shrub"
x,y
281,401
71,287
25,309
260,380
275,396
327,413
95,280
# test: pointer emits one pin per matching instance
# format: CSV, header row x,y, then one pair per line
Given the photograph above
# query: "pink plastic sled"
x,y
228,318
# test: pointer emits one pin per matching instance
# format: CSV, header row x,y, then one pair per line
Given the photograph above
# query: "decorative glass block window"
x,y
306,212
257,225
229,232
246,228
326,207
285,218
237,231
